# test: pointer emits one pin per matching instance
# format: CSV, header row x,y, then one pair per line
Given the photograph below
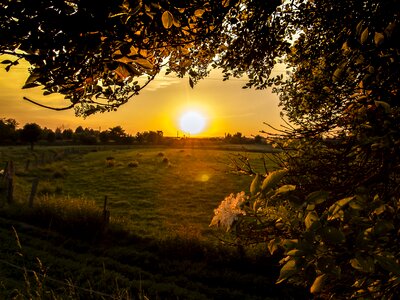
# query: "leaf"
x,y
390,28
167,19
295,252
272,179
337,74
317,197
285,189
335,211
199,12
384,105
380,209
311,217
30,85
378,38
363,264
255,185
389,264
331,235
273,245
382,227
191,83
144,63
318,284
177,23
32,78
225,3
364,36
288,270
289,244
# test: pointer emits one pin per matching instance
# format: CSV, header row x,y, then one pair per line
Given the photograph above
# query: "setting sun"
x,y
192,122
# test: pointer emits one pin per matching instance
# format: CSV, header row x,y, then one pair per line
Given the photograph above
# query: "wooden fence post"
x,y
33,192
106,215
28,162
10,182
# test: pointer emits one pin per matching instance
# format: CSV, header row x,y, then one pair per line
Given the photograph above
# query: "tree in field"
x,y
104,136
7,130
332,209
67,134
30,133
47,134
117,133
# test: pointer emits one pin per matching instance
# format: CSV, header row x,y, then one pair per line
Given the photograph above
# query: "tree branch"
x,y
50,107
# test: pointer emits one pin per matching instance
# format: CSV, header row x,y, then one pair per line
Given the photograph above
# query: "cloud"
x,y
161,82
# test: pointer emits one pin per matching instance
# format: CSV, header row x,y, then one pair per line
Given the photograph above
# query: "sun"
x,y
192,122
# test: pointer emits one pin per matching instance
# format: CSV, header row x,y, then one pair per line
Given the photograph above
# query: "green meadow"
x,y
158,244
161,191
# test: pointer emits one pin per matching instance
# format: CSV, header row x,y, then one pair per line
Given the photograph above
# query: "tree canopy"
x,y
101,53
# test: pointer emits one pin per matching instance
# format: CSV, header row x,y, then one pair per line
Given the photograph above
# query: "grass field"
x,y
160,190
164,200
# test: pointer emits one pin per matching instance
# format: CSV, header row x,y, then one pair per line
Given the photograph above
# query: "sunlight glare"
x,y
192,122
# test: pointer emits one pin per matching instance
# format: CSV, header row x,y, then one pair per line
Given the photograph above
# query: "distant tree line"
x,y
239,138
33,133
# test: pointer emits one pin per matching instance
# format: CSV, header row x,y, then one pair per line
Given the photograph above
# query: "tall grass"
x,y
75,217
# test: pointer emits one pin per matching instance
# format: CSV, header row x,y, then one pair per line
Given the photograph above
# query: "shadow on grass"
x,y
169,268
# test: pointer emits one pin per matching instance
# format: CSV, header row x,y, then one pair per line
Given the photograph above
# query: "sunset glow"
x,y
159,107
192,122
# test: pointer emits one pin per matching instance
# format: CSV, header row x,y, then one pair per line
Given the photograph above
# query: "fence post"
x,y
33,192
28,162
10,181
4,174
106,215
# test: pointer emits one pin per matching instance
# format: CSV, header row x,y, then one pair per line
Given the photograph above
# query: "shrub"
x,y
133,164
58,174
110,163
339,245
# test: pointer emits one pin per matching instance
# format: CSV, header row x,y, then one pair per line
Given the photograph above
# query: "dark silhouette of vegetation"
x,y
30,133
239,138
7,130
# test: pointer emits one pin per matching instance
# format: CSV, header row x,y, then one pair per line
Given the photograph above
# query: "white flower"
x,y
229,210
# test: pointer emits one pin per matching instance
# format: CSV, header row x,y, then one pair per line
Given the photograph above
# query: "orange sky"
x,y
226,106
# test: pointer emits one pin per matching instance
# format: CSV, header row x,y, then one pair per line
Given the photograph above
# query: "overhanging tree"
x,y
101,53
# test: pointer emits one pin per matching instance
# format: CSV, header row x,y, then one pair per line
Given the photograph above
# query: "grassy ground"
x,y
160,190
158,244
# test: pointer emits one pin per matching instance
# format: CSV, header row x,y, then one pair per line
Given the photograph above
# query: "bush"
x,y
133,164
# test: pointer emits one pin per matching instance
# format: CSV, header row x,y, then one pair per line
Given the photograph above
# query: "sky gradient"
x,y
226,106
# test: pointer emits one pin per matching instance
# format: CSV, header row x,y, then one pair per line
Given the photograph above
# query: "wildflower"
x,y
229,211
